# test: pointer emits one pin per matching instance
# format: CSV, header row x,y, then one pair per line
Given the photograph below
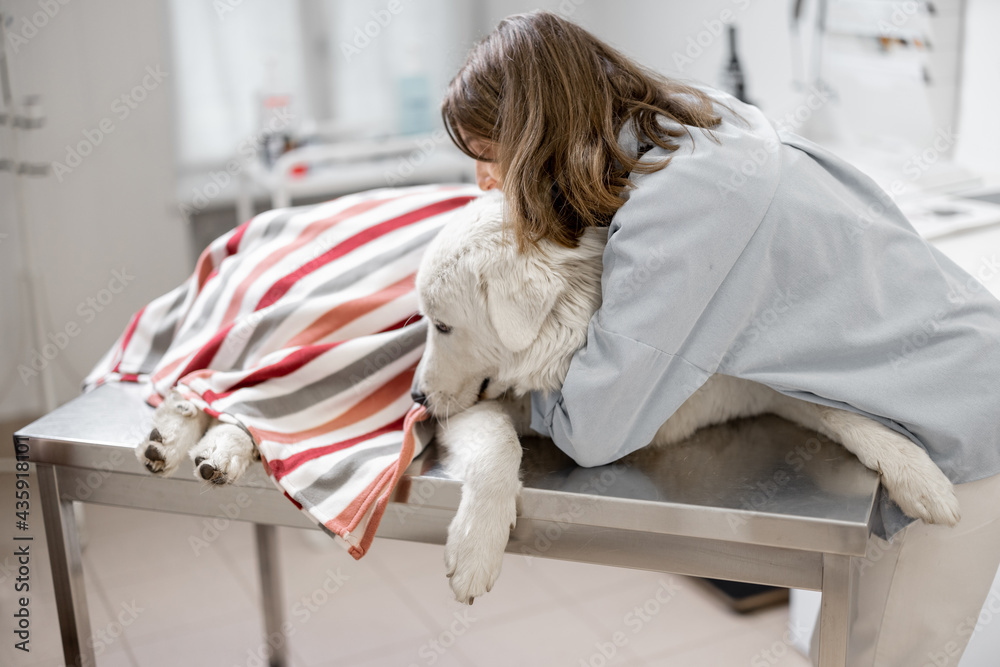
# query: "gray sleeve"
x,y
617,394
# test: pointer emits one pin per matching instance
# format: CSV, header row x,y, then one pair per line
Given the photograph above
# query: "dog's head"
x,y
499,319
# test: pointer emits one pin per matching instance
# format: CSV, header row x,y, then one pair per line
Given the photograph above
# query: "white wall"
x,y
113,212
979,133
581,11
669,36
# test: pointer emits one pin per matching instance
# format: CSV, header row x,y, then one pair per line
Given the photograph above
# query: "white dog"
x,y
504,323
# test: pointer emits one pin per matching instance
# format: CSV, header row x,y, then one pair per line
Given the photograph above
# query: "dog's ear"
x,y
520,293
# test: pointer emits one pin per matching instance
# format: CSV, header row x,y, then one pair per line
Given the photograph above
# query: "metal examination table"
x,y
759,501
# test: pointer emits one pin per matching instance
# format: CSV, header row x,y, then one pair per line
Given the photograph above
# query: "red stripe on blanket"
x,y
166,370
342,315
282,286
206,266
297,504
289,364
307,235
129,331
233,244
203,357
282,467
383,396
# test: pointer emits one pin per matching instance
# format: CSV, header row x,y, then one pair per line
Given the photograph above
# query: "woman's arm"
x,y
617,394
670,247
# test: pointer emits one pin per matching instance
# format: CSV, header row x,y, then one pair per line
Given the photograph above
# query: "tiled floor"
x,y
157,600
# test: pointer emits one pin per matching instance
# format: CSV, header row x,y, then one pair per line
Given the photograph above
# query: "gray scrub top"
x,y
763,256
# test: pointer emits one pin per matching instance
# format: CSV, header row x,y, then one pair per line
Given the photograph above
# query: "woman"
x,y
739,249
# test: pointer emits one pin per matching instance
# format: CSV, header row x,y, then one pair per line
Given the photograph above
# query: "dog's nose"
x,y
418,396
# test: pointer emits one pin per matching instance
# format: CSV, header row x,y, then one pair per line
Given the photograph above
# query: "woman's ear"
x,y
520,294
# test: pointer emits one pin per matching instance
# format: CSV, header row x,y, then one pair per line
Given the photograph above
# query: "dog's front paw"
x,y
474,551
224,454
177,425
923,492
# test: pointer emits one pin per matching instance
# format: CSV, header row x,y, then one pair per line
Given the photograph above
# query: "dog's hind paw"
x,y
153,453
223,455
177,425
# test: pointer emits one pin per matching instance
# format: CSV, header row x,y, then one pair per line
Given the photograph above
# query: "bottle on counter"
x,y
733,81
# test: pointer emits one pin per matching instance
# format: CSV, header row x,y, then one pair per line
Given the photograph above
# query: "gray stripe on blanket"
x,y
164,335
279,313
208,307
402,342
332,481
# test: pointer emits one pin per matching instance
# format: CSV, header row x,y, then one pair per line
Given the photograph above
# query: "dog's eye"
x,y
443,328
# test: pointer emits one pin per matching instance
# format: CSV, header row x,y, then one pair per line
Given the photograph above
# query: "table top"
x,y
761,481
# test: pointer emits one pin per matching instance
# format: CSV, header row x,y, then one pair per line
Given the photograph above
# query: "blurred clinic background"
x,y
132,133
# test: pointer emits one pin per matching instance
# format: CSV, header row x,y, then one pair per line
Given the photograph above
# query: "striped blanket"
x,y
301,326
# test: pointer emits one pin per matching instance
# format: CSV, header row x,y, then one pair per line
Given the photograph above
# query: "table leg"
x,y
834,615
67,570
270,589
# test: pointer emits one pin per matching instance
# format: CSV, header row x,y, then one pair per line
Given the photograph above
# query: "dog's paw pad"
x,y
223,455
151,455
210,473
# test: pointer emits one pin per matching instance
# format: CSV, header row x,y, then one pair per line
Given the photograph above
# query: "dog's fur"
x,y
505,323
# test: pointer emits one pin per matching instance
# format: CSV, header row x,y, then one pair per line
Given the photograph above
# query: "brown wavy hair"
x,y
552,99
